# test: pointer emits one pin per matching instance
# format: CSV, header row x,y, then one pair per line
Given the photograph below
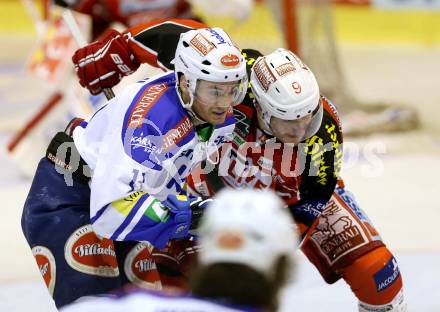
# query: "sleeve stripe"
x,y
98,214
137,216
108,221
128,219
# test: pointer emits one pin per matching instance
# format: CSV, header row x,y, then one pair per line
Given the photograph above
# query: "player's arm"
x,y
141,217
155,43
323,160
125,203
103,63
133,178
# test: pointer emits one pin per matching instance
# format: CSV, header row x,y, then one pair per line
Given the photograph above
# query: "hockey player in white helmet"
x,y
287,97
245,260
116,179
206,74
288,137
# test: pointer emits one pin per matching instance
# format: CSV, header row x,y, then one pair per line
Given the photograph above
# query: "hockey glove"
x,y
198,207
186,212
103,63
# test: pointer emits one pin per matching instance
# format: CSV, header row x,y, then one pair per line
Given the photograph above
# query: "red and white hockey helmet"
x,y
248,226
284,87
210,54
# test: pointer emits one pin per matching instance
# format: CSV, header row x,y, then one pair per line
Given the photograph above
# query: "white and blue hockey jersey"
x,y
143,301
141,147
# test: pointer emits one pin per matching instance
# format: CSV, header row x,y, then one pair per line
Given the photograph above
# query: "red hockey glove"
x,y
103,63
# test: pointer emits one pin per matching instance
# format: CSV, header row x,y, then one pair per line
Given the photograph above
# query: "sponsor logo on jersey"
x,y
285,68
230,60
337,232
175,135
147,99
264,74
140,268
201,44
46,265
387,275
145,143
126,204
87,253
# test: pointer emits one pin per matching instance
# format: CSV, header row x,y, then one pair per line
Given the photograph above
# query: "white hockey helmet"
x,y
248,226
284,87
211,55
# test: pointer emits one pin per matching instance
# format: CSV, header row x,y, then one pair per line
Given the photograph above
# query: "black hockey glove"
x,y
197,209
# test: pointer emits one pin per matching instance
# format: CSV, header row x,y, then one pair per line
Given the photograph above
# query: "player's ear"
x,y
258,108
184,87
183,83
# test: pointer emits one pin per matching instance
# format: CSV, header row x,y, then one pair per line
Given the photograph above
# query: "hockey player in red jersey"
x,y
127,12
287,137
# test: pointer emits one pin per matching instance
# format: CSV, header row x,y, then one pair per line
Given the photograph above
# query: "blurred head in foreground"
x,y
247,246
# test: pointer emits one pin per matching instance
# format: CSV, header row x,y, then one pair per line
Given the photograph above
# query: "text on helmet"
x,y
264,75
285,68
215,34
201,44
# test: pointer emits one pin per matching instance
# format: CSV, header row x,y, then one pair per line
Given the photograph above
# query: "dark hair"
x,y
239,284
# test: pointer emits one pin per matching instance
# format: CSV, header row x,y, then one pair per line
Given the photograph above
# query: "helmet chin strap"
x,y
263,123
188,106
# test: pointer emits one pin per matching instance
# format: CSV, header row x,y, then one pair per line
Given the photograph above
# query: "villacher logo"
x,y
87,253
46,265
141,269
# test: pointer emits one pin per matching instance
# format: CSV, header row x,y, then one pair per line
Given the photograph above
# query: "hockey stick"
x,y
35,120
37,19
80,41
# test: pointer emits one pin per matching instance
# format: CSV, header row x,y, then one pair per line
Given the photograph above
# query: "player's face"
x,y
290,131
213,100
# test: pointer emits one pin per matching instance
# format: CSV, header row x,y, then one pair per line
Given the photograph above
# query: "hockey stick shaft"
x,y
79,38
